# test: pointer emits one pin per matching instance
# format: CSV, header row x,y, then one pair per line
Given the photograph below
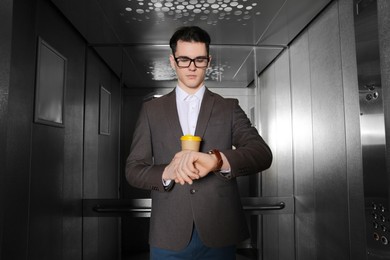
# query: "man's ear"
x,y
172,61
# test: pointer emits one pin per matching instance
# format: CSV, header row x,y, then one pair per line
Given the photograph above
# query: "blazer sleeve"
x,y
251,154
140,169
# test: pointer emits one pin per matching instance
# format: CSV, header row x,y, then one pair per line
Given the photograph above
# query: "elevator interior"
x,y
291,65
136,50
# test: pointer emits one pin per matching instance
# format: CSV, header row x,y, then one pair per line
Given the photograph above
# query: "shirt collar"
x,y
182,95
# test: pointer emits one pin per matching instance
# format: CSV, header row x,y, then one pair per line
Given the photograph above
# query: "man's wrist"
x,y
219,158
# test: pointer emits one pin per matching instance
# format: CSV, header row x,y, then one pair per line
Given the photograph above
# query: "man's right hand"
x,y
180,170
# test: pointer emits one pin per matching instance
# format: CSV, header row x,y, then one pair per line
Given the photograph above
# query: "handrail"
x,y
142,207
279,206
109,209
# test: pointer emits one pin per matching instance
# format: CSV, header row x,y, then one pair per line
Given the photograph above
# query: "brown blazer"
x,y
213,203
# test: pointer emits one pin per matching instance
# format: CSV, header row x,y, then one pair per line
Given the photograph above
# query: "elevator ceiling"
x,y
132,35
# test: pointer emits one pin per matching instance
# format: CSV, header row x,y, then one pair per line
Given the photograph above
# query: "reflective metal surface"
x,y
132,35
142,208
372,125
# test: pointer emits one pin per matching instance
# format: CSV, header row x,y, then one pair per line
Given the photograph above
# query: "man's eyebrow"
x,y
197,57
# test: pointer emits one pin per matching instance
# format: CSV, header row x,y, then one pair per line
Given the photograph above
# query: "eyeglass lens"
x,y
185,62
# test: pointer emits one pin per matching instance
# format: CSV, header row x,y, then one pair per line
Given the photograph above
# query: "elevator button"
x,y
193,191
375,224
384,228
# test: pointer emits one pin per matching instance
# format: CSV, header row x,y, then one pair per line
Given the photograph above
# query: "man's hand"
x,y
203,162
179,170
187,166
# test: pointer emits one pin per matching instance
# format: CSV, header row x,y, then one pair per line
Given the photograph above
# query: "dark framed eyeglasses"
x,y
199,62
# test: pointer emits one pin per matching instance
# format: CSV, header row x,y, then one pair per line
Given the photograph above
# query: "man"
x,y
196,207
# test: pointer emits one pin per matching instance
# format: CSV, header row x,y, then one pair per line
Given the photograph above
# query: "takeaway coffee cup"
x,y
190,142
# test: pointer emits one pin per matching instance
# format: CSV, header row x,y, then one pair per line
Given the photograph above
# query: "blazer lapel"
x,y
172,115
204,113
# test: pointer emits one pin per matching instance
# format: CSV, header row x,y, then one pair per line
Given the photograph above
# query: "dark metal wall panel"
x,y
326,142
135,233
5,66
286,237
73,156
268,127
57,159
283,122
352,132
101,160
269,178
329,151
303,149
42,214
91,150
91,121
47,173
101,151
275,117
270,233
132,102
109,144
19,118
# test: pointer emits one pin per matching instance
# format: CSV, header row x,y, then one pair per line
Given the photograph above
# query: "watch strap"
x,y
169,186
219,158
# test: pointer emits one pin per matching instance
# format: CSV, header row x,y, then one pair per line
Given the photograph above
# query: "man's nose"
x,y
192,65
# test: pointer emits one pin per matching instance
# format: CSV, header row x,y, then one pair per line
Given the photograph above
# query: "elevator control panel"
x,y
378,226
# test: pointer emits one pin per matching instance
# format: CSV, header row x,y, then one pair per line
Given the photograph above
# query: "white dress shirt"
x,y
188,106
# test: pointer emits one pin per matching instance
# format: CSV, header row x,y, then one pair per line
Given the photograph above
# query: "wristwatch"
x,y
169,186
226,174
219,158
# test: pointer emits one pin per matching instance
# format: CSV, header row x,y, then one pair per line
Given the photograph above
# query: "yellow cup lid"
x,y
190,138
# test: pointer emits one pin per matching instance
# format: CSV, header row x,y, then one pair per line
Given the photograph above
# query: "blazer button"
x,y
192,191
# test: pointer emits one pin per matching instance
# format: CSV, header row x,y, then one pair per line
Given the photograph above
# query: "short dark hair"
x,y
189,34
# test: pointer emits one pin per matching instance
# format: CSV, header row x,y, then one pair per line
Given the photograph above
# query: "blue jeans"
x,y
195,250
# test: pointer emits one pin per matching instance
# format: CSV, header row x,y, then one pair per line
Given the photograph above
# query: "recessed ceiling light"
x,y
174,9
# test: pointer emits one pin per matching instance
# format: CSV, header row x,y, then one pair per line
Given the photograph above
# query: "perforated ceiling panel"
x,y
187,12
132,35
